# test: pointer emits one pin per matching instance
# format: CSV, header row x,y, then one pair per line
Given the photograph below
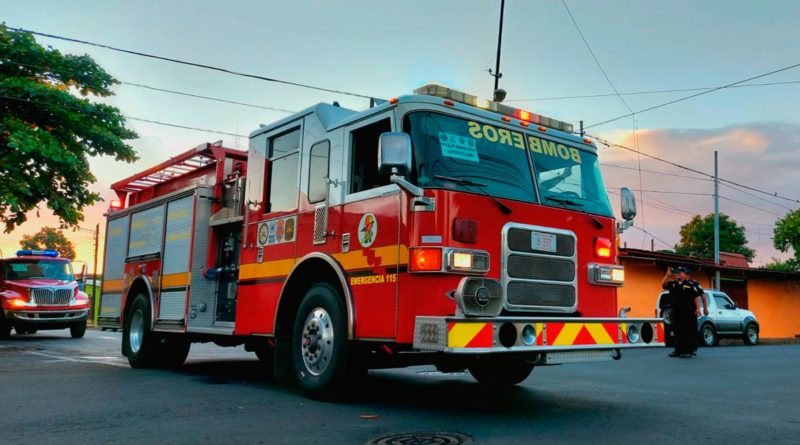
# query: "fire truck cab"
x,y
38,290
432,228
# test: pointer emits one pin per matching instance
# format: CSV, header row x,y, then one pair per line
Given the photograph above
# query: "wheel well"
x,y
139,286
306,274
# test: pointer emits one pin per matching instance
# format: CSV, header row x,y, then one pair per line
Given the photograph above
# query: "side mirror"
x,y
394,153
627,204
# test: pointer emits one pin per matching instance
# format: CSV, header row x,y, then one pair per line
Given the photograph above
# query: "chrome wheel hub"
x,y
136,331
708,335
316,341
752,334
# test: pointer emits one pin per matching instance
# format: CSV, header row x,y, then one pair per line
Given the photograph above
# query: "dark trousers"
x,y
685,332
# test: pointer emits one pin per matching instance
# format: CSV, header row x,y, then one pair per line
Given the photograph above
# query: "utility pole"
x,y
496,74
94,286
716,223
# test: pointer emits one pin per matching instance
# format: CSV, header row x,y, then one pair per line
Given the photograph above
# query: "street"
x,y
56,389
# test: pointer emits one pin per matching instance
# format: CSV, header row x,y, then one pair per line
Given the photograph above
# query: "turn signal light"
x,y
602,247
115,204
18,302
425,260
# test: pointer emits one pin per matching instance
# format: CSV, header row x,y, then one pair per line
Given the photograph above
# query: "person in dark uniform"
x,y
688,302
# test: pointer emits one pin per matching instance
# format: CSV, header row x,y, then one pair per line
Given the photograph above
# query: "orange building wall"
x,y
642,286
776,305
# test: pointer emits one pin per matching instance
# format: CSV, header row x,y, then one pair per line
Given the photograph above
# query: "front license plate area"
x,y
545,242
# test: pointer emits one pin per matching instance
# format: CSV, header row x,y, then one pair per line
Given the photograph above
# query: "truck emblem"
x,y
367,230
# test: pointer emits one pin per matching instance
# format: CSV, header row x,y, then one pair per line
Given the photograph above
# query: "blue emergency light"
x,y
28,252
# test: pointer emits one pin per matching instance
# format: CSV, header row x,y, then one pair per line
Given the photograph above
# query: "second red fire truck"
x,y
435,228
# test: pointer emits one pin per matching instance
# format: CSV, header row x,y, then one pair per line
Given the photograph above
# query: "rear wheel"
x,y
77,330
145,348
322,366
498,373
708,335
750,334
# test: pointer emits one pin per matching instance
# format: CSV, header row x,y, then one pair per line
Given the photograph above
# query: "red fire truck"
x,y
434,228
38,290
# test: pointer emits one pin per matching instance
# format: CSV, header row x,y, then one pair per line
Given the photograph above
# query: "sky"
x,y
389,48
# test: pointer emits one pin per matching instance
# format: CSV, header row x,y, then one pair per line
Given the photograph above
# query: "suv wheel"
x,y
750,334
708,335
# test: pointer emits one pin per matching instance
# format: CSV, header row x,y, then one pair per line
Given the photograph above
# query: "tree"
x,y
49,128
790,265
697,237
787,234
49,238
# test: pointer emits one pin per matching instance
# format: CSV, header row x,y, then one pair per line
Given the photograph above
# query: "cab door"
x,y
370,231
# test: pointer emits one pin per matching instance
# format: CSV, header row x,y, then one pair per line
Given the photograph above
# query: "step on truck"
x,y
433,228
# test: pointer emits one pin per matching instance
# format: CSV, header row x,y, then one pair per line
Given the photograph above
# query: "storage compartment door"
x,y
175,275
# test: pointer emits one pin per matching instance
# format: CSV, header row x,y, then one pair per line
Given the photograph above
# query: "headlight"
x,y
608,274
468,261
633,333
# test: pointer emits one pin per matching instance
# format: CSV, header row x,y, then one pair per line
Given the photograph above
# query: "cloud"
x,y
763,155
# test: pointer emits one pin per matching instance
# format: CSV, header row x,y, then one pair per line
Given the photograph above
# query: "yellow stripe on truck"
x,y
461,334
267,269
176,279
112,285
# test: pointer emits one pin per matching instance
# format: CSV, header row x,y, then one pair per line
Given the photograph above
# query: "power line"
x,y
151,121
193,64
654,237
691,96
751,206
683,167
757,197
656,172
638,93
596,61
164,90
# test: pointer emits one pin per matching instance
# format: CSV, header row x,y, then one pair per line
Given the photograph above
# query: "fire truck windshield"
x,y
30,269
447,146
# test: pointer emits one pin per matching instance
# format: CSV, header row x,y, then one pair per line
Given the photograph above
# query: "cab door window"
x,y
318,171
364,162
284,170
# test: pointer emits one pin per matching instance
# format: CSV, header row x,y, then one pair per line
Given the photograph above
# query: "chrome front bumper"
x,y
47,317
456,335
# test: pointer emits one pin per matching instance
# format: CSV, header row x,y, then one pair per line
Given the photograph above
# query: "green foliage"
x,y
787,234
783,266
697,237
49,238
47,132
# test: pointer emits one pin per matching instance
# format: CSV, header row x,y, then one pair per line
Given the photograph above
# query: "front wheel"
x,y
5,328
709,335
751,334
78,330
500,373
319,344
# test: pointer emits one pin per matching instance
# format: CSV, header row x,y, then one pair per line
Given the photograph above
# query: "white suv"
x,y
724,320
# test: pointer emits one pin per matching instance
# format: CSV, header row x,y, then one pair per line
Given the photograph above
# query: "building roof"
x,y
734,265
733,260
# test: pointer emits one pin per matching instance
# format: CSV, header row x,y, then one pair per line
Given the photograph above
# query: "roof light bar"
x,y
29,252
475,101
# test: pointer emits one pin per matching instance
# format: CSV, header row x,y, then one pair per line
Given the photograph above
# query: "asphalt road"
x,y
54,389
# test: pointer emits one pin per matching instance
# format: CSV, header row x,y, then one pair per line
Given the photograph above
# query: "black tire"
x,y
77,330
500,373
21,331
708,335
750,335
150,349
322,365
5,328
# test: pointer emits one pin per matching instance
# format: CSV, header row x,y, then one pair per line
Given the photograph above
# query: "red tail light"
x,y
602,247
425,259
465,230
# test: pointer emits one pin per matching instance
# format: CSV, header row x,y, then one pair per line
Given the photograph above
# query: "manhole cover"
x,y
422,439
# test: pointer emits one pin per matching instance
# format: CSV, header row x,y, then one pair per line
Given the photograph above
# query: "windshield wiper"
x,y
503,208
597,223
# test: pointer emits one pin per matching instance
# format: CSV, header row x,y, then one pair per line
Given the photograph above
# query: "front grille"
x,y
536,280
540,268
523,293
50,296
